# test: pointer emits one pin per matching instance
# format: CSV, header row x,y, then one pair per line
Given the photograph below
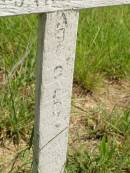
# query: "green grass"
x,y
103,52
18,38
110,152
103,46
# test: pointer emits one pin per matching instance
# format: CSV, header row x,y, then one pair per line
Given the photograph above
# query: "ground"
x,y
87,108
87,126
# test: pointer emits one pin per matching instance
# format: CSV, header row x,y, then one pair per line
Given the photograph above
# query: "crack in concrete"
x,y
53,138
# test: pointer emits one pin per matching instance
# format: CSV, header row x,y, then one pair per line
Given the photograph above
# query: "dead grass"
x,y
88,109
87,126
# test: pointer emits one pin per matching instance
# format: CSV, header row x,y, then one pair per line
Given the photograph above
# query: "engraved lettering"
x,y
60,30
58,71
20,4
57,103
37,2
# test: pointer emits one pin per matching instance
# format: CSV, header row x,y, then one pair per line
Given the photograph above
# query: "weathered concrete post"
x,y
56,55
55,66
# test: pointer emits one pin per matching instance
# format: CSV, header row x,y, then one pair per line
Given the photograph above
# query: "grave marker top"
x,y
17,7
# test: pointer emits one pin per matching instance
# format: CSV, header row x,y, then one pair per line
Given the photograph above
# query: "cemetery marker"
x,y
57,35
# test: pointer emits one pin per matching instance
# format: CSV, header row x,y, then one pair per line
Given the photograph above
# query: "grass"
x,y
103,52
110,152
103,46
18,36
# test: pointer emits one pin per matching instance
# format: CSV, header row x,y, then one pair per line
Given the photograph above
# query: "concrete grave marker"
x,y
57,35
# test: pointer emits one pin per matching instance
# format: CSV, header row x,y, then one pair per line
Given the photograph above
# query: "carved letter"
x,y
19,4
